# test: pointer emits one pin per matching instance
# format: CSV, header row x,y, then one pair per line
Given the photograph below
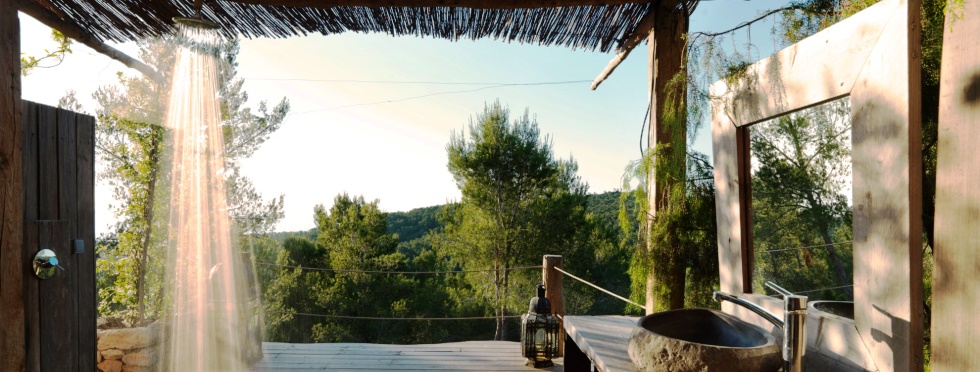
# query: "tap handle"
x,y
779,289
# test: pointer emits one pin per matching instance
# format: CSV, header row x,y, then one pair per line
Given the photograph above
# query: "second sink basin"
x,y
844,309
701,340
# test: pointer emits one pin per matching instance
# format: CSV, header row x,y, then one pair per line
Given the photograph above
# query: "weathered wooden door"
x,y
59,214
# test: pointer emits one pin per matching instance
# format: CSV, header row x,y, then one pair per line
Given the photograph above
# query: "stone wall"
x,y
128,349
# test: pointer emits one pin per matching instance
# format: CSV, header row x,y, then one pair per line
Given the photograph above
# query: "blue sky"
x,y
395,152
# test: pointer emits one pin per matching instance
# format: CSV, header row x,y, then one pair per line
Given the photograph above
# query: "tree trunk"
x,y
498,333
148,230
677,284
502,323
839,270
802,266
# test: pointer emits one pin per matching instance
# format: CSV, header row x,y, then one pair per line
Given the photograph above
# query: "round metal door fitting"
x,y
46,264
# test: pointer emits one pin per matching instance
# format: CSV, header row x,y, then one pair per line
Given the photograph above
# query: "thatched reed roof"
x,y
601,25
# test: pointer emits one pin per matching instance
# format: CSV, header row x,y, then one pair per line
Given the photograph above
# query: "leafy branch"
x,y
28,63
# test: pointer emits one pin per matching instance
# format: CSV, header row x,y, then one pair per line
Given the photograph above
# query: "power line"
x,y
812,246
746,23
400,82
388,318
824,289
601,289
394,272
444,93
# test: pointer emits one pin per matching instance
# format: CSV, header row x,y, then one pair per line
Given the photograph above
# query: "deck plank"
x,y
604,339
456,356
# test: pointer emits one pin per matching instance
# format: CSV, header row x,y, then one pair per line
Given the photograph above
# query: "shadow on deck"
x,y
456,356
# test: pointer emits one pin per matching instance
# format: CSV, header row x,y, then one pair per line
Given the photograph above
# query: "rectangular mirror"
x,y
802,202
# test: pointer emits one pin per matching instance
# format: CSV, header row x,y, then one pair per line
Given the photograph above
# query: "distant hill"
x,y
281,236
416,223
605,207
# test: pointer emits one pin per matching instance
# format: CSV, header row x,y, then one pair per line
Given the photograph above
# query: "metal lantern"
x,y
539,332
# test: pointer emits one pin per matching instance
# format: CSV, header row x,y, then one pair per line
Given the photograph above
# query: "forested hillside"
x,y
413,226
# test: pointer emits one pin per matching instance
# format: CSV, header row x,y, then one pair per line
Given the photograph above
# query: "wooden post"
x,y
11,193
553,291
956,290
666,60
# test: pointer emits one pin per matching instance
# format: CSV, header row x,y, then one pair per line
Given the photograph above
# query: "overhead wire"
x,y
389,318
394,272
824,289
444,93
808,247
404,82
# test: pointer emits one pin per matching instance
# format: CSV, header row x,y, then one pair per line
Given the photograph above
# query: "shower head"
x,y
196,22
198,34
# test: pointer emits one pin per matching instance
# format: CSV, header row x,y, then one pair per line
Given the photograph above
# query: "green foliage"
x,y
413,228
519,203
353,257
136,150
415,223
603,262
670,251
28,63
678,244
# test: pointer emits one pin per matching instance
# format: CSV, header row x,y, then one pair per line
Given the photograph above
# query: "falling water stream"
x,y
206,329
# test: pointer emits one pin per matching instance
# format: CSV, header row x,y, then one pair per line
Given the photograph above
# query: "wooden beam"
x,y
475,4
12,341
643,29
956,288
886,155
728,199
802,75
52,20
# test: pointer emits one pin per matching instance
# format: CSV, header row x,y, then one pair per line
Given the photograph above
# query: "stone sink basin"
x,y
843,309
701,340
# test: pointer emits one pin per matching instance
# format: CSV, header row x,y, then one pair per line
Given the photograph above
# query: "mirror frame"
x,y
874,57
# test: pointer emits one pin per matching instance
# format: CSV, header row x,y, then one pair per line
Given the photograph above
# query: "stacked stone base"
x,y
128,349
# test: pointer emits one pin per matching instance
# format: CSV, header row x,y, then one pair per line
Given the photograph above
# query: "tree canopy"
x,y
518,203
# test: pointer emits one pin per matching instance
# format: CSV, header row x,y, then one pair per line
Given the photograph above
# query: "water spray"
x,y
208,326
197,33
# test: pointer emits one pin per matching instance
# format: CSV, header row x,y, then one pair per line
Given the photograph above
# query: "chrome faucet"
x,y
793,323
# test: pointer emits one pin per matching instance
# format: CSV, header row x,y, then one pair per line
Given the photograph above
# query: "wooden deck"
x,y
457,356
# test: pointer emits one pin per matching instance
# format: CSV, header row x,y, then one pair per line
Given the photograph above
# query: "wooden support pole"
x,y
12,342
552,280
666,60
956,289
